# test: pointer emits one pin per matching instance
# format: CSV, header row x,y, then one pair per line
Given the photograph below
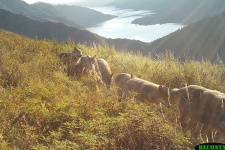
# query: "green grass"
x,y
42,108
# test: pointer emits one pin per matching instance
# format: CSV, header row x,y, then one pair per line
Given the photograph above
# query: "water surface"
x,y
121,26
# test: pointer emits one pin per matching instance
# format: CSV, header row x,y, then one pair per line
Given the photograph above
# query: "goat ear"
x,y
131,76
75,48
160,88
88,56
93,57
167,84
112,75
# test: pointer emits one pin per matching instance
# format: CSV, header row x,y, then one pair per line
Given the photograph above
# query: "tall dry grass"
x,y
42,108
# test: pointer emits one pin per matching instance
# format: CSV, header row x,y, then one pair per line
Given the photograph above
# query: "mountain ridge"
x,y
49,30
83,16
21,7
48,12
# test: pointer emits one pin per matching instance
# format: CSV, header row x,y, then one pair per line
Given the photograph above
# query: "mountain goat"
x,y
69,58
148,92
201,104
120,82
105,72
86,64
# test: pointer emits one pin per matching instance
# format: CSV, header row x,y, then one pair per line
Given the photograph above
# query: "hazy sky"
x,y
66,1
51,1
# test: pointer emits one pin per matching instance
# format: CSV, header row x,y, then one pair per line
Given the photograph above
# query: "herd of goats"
x,y
194,102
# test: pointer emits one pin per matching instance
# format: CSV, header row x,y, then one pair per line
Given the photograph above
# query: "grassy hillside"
x,y
41,108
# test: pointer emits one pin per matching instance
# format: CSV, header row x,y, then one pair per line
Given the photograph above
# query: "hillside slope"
x,y
42,108
205,38
32,28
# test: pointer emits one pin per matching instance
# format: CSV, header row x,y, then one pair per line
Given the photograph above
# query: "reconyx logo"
x,y
210,146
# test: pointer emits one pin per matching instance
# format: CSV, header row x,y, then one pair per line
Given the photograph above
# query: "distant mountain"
x,y
91,3
84,16
49,30
21,7
2,6
71,15
173,11
205,38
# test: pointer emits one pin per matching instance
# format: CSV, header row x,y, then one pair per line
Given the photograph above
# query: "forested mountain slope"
x,y
205,38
